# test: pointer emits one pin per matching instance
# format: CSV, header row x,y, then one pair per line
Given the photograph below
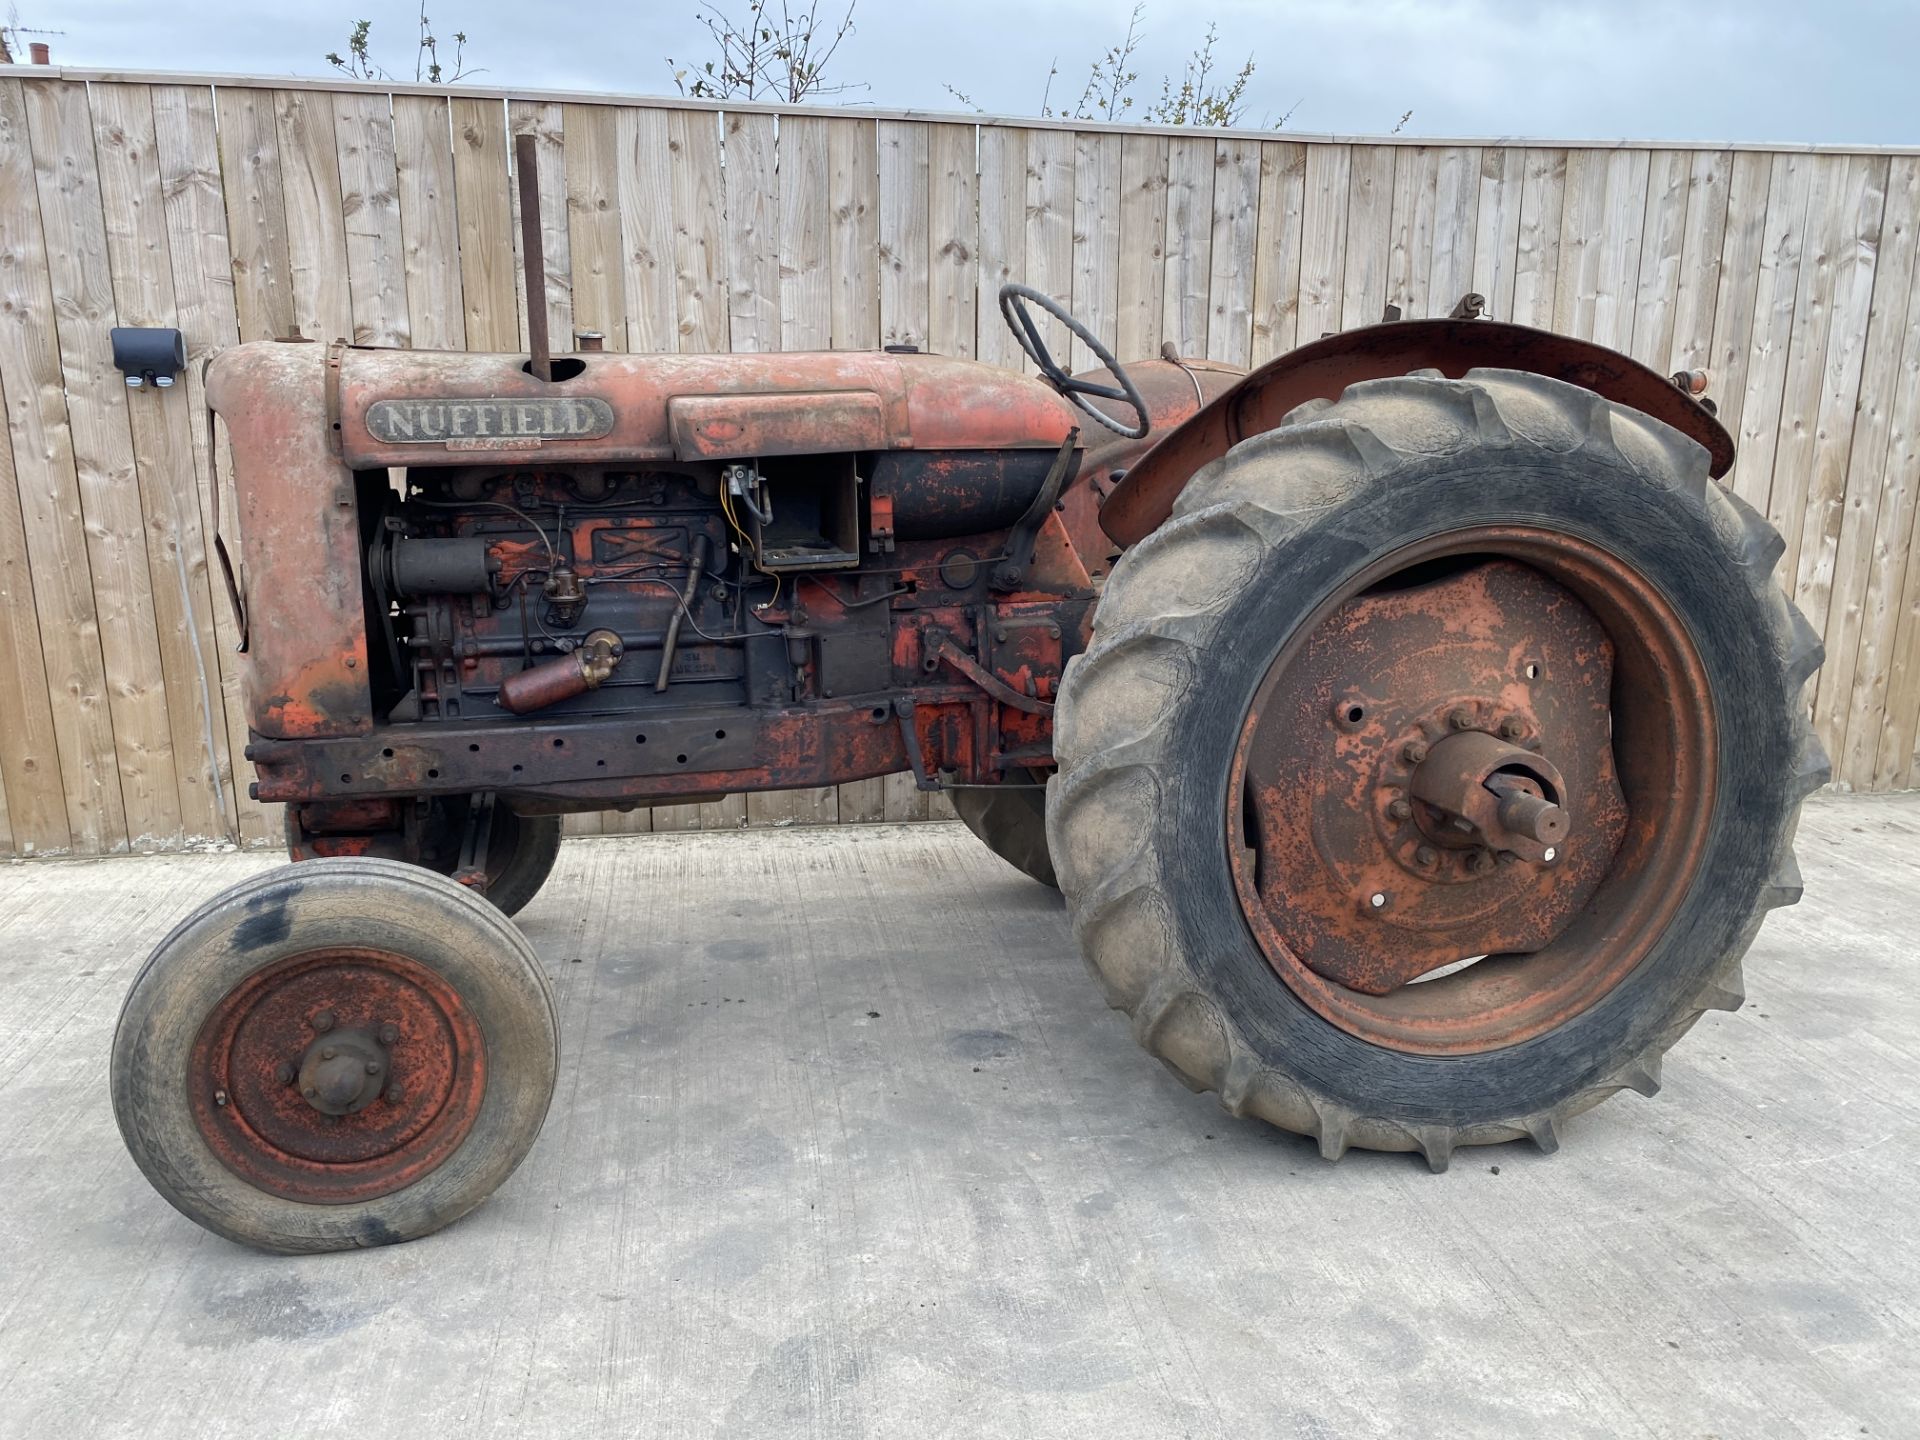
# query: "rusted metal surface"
x,y
552,681
1511,759
1325,368
306,672
526,167
926,402
337,1076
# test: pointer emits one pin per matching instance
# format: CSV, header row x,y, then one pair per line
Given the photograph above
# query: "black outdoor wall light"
x,y
148,357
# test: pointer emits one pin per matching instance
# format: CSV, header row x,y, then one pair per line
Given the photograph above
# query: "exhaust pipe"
x,y
528,168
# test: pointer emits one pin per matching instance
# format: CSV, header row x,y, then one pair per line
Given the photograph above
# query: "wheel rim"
x,y
1471,791
337,1075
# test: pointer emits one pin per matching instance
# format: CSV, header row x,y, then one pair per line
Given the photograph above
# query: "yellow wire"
x,y
726,508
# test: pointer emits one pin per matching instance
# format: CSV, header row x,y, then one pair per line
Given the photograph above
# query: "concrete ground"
x,y
847,1145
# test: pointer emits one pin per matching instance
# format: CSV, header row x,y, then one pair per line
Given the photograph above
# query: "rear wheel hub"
x,y
1428,811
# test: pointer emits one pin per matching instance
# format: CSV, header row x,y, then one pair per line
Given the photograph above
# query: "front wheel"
x,y
341,1053
1432,768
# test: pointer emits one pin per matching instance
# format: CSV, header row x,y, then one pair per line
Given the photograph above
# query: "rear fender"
x,y
1145,495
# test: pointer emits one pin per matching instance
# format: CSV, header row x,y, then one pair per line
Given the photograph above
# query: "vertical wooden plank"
x,y
1189,243
1049,229
1823,374
953,224
753,234
140,270
1701,247
29,743
1230,279
1536,265
429,223
1839,418
1138,326
1369,236
597,280
905,160
1662,241
256,218
1323,242
1789,188
1456,219
206,283
1277,249
853,237
1876,491
1003,236
74,225
1600,237
490,305
1898,595
806,301
1496,242
1410,226
1881,688
1096,241
1738,282
547,124
646,232
370,212
699,237
316,229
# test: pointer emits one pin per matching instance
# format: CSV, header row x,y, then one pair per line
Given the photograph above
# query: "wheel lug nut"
x,y
1400,810
1460,718
373,1067
1513,727
389,1034
1424,855
394,1095
1481,862
323,1021
1414,751
283,1072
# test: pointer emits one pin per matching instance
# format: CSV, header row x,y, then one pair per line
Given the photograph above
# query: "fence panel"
x,y
239,209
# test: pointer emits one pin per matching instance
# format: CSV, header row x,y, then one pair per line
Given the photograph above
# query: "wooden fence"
x,y
242,208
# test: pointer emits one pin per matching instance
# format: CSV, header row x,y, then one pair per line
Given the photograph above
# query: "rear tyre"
x,y
342,1053
1011,821
1238,818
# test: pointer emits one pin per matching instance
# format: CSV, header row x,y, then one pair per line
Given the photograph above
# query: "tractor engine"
x,y
653,578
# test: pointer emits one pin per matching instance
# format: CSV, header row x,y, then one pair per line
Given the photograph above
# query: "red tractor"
x,y
1412,725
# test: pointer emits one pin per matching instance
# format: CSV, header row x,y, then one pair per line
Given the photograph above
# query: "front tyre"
x,y
342,1053
1433,767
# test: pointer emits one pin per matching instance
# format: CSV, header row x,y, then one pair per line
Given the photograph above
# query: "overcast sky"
x,y
1837,71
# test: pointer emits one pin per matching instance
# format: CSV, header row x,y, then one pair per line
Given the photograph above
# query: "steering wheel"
x,y
1013,309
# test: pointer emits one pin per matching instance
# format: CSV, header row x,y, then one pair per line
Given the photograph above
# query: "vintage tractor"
x,y
1413,725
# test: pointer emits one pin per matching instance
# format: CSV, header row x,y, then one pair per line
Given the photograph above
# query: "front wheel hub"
x,y
343,1072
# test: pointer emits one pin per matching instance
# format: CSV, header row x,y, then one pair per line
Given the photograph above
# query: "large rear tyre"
x,y
1433,767
1011,821
342,1053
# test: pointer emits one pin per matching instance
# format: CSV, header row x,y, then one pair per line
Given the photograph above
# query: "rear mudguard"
x,y
1144,497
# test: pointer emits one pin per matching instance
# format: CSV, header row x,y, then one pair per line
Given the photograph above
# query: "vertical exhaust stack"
x,y
527,166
